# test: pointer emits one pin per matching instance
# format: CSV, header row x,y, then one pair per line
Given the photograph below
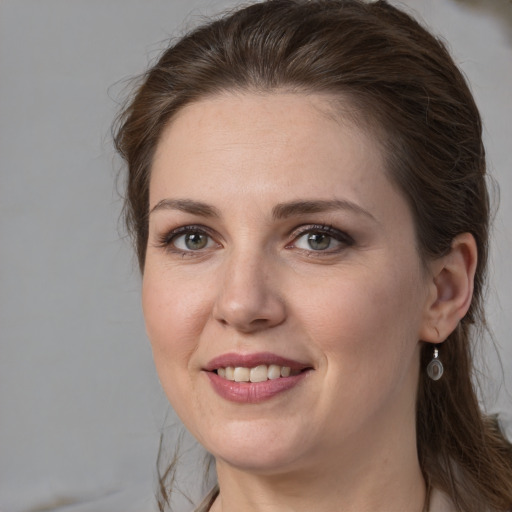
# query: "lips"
x,y
252,378
253,360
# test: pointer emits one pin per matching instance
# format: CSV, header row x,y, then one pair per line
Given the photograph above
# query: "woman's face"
x,y
278,246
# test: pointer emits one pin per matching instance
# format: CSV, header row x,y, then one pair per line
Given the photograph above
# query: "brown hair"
x,y
407,89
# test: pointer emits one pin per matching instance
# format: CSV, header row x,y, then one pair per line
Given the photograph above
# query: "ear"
x,y
450,289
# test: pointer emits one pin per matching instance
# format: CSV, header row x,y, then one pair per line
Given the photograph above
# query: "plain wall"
x,y
81,409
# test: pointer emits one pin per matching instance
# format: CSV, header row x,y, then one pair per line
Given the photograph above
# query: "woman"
x,y
306,189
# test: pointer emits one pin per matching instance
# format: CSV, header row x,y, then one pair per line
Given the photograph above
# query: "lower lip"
x,y
252,392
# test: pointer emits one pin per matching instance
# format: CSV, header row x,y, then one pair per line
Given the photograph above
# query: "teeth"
x,y
274,371
257,374
241,374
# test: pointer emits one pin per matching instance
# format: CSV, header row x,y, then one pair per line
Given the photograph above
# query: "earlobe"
x,y
451,289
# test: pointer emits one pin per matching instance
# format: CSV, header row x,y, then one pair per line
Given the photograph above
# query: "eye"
x,y
188,239
322,239
193,241
314,241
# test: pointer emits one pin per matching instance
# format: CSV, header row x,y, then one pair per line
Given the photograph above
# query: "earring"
x,y
435,368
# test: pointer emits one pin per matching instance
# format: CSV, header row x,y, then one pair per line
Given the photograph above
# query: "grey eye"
x,y
193,241
319,241
316,241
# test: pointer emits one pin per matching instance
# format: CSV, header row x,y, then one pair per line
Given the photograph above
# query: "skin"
x,y
344,437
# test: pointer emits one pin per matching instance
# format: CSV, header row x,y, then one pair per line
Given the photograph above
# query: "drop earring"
x,y
435,368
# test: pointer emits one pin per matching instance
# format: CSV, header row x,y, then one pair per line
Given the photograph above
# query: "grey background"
x,y
80,405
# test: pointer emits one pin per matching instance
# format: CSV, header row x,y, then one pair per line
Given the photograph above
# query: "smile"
x,y
259,373
254,378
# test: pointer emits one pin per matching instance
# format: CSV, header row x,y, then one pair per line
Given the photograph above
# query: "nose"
x,y
249,298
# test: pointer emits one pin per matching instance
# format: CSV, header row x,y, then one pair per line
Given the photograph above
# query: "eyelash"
x,y
343,238
167,240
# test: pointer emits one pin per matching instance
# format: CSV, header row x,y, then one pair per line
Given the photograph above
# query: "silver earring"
x,y
435,368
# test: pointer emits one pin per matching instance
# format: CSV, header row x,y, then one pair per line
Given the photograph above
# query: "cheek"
x,y
365,322
174,318
366,331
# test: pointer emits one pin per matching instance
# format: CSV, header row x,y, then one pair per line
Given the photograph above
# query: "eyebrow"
x,y
280,211
293,208
187,206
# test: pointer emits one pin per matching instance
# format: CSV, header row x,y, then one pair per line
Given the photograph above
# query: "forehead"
x,y
245,112
284,139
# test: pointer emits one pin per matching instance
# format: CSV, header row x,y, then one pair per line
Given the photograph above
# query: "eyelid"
x,y
339,235
165,240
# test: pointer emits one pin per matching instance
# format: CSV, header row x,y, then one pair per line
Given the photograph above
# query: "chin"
x,y
261,462
257,448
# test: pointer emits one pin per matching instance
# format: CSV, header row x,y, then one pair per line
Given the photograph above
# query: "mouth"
x,y
260,373
255,377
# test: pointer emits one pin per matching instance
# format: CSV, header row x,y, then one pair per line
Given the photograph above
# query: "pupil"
x,y
195,241
319,241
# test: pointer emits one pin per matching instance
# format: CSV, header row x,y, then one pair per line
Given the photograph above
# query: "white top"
x,y
440,502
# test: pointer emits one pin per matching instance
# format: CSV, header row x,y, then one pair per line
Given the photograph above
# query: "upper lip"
x,y
251,360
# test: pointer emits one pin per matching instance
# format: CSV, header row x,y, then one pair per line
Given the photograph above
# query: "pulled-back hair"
x,y
402,85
